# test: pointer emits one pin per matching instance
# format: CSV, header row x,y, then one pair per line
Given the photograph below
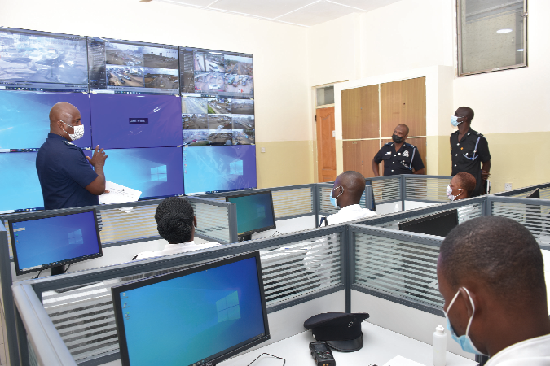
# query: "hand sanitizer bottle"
x,y
440,346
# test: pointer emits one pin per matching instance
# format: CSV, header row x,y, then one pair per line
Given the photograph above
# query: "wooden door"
x,y
326,144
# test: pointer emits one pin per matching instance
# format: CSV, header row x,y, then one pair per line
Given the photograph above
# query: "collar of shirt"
x,y
56,137
534,351
350,208
178,246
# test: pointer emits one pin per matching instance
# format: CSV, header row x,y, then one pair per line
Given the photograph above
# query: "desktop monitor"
x,y
25,122
129,121
51,240
124,67
197,316
439,224
255,212
155,171
39,61
20,188
218,168
534,194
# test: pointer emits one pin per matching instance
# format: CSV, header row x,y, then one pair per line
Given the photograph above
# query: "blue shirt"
x,y
64,173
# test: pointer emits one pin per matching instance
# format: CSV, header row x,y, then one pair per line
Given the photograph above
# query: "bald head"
x,y
63,115
353,184
466,112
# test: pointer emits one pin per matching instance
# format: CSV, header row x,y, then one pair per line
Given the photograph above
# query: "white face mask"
x,y
450,194
78,131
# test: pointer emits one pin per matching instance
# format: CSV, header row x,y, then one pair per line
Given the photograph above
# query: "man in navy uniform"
x,y
399,156
469,150
65,174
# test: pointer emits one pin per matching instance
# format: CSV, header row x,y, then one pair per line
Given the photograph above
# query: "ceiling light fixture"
x,y
520,50
505,30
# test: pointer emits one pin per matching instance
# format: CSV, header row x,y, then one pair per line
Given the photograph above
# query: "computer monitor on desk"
x,y
196,316
52,240
439,224
255,213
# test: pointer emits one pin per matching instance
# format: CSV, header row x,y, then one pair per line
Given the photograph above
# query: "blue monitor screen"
x,y
127,121
25,122
50,241
19,186
40,61
193,316
156,172
219,168
255,212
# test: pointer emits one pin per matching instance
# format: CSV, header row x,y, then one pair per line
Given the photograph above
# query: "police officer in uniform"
x,y
469,150
399,156
64,172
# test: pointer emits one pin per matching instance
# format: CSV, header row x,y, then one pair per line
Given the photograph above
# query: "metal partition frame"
x,y
521,192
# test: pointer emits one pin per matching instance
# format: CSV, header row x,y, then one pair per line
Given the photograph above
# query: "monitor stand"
x,y
57,270
245,237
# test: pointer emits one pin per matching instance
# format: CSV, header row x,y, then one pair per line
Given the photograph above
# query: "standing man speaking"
x,y
64,172
470,150
399,156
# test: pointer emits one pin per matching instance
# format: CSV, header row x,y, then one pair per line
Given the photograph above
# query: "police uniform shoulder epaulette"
x,y
71,145
409,145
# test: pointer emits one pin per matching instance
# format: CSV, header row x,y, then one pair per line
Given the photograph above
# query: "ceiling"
x,y
303,13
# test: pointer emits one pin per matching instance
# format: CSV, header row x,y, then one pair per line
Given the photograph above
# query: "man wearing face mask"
x,y
65,174
469,150
346,194
490,274
399,156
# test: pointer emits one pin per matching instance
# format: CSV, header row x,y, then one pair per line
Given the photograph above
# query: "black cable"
x,y
69,266
38,274
267,354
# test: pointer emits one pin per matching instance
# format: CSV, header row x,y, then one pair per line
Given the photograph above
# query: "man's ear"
x,y
467,301
195,221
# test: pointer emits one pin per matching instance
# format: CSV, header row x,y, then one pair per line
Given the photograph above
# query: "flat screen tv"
x,y
39,61
213,169
25,122
122,67
20,188
129,121
255,212
54,239
196,316
439,224
155,171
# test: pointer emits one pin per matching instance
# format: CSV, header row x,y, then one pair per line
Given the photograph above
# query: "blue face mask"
x,y
464,340
454,121
333,200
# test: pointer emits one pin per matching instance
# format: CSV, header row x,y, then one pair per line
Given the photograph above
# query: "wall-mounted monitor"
x,y
439,224
38,61
219,168
209,73
129,121
197,316
20,188
25,122
255,212
123,67
155,171
49,240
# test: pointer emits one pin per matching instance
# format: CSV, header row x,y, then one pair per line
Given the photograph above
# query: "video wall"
x,y
173,120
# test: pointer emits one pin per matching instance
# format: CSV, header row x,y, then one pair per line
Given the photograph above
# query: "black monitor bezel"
x,y
428,218
220,356
534,194
44,215
243,194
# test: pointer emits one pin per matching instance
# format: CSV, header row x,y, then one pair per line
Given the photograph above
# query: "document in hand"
x,y
118,194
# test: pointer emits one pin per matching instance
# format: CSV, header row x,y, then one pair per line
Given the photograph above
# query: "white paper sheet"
x,y
118,194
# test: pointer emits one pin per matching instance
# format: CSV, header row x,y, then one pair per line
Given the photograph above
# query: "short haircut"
x,y
406,127
469,112
174,217
466,181
499,253
354,183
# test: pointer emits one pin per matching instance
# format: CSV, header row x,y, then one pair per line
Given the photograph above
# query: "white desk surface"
x,y
379,346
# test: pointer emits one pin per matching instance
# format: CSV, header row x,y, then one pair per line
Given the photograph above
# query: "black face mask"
x,y
396,138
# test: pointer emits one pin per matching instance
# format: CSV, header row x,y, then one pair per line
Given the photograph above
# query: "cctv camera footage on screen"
x,y
37,61
216,73
121,67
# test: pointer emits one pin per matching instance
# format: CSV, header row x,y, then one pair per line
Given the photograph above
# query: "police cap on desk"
x,y
342,331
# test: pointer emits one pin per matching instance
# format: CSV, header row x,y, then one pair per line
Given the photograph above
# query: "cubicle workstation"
x,y
334,268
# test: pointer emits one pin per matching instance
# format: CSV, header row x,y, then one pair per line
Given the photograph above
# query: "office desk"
x,y
379,346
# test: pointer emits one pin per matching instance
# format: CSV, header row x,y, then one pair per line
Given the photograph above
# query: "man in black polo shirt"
x,y
399,156
65,174
469,150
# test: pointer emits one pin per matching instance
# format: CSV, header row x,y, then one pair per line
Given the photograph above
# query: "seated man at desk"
x,y
346,194
490,273
176,223
462,186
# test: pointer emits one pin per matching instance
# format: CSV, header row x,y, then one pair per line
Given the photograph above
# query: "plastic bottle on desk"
x,y
440,346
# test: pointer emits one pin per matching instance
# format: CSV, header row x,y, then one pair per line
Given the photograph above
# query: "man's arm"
x,y
97,161
375,168
420,171
485,169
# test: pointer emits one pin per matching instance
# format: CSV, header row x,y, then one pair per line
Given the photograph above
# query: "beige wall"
x,y
282,97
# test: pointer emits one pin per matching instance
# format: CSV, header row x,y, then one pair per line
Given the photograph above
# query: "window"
x,y
491,35
325,95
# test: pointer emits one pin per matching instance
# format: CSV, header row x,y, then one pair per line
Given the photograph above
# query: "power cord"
x,y
267,354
